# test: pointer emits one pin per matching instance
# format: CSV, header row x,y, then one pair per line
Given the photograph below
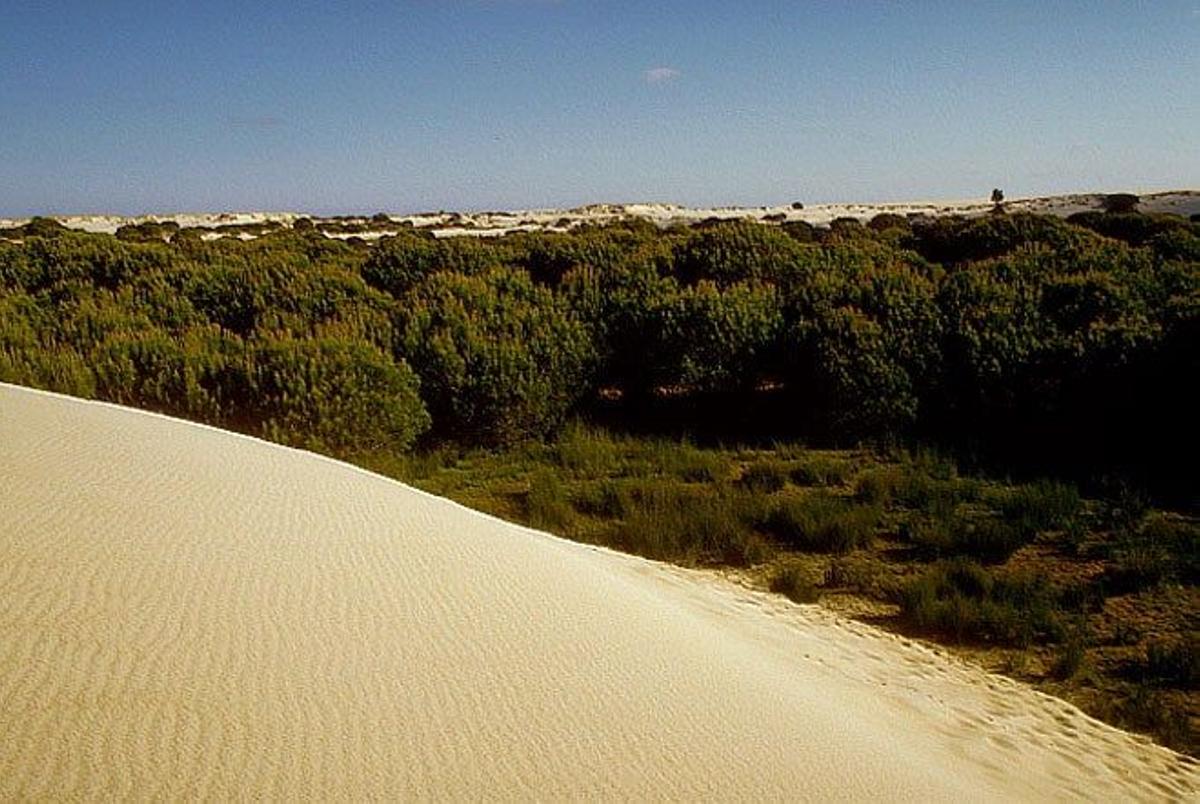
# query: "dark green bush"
x,y
499,358
1117,203
736,251
329,394
397,264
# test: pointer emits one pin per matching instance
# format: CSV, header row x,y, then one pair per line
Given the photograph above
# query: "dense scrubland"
x,y
978,431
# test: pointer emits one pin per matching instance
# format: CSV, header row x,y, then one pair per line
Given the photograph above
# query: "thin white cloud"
x,y
661,75
256,121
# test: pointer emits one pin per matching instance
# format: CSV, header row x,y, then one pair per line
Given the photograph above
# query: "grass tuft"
x,y
823,523
765,477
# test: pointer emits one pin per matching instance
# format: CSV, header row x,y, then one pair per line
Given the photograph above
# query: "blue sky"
x,y
403,106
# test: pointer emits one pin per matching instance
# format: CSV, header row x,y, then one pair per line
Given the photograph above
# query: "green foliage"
x,y
1157,551
1121,202
665,521
546,504
737,251
822,523
500,359
862,338
327,394
1072,657
986,538
722,339
964,601
397,264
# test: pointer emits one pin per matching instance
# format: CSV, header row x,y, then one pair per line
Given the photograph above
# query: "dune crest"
x,y
191,613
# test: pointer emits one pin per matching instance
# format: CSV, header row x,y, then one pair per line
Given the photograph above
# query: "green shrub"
x,y
823,523
329,394
499,359
910,486
716,339
736,251
398,264
694,465
1161,549
1118,203
878,486
986,538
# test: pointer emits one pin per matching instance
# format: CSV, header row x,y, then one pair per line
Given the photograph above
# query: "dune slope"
x,y
190,613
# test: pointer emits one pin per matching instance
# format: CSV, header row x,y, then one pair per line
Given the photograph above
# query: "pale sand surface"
x,y
188,613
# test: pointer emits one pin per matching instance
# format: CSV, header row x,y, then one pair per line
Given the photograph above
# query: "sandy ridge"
x,y
186,612
495,223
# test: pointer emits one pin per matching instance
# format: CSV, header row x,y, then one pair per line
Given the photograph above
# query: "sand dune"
x,y
189,613
493,224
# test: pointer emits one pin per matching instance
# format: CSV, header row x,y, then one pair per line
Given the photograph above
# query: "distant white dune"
x,y
187,613
490,224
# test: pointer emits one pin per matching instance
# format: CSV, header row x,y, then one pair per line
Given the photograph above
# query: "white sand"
x,y
187,613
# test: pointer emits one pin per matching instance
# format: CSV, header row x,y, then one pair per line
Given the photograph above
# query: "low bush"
x,y
823,523
934,489
986,538
964,601
878,486
1162,549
